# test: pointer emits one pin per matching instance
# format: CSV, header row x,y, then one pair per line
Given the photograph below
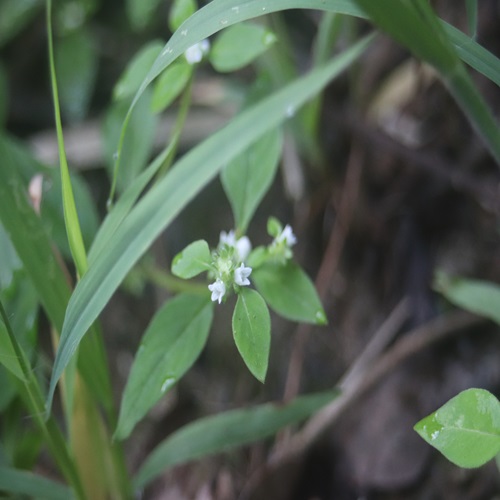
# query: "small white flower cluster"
x,y
281,247
229,265
196,52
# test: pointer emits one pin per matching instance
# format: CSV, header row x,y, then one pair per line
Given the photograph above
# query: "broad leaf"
x,y
466,430
249,176
170,84
171,344
252,331
140,12
179,12
154,212
479,297
193,260
136,70
239,45
289,292
228,430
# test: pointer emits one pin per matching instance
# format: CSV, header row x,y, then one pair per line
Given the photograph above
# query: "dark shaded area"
x,y
404,188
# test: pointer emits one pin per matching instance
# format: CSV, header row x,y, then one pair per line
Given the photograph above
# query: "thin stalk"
x,y
35,402
178,128
165,280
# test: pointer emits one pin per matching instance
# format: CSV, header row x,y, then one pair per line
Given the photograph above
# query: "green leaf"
x,y
252,331
239,45
172,193
139,138
479,297
228,430
140,12
289,292
466,430
193,260
15,15
76,68
170,346
170,84
136,70
179,12
249,176
26,483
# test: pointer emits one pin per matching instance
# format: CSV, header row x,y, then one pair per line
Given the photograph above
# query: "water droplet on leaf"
x,y
167,384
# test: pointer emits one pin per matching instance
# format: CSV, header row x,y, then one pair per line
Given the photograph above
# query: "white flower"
x,y
218,290
241,275
241,245
196,52
287,236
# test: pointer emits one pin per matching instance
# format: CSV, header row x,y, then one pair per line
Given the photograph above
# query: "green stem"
x,y
178,127
171,283
35,402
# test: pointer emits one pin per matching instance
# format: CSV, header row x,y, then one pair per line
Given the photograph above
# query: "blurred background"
x,y
384,183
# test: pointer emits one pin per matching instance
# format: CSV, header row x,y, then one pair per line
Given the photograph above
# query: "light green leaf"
x,y
170,346
136,70
239,45
466,430
289,292
252,331
228,430
249,176
193,260
22,482
154,212
479,297
179,12
170,84
140,12
76,68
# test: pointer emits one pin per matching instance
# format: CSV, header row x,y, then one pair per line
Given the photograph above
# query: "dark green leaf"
x,y
171,344
228,430
466,430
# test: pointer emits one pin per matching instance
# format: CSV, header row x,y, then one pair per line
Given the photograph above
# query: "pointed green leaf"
x,y
289,292
136,70
249,176
171,194
179,12
193,260
252,331
228,430
479,297
239,45
171,344
170,84
466,430
26,483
